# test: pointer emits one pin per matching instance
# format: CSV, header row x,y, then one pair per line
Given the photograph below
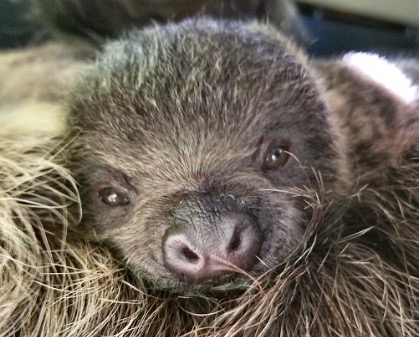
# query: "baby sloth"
x,y
200,142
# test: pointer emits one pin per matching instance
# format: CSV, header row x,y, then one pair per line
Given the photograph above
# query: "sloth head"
x,y
193,140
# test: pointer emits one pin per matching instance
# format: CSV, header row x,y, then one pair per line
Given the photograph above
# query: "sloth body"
x,y
187,135
203,144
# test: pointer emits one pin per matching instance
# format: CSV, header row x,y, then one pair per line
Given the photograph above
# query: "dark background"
x,y
331,33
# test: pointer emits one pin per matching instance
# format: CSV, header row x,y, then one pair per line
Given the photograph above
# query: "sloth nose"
x,y
204,252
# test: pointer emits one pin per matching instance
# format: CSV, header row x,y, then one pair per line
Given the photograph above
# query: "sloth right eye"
x,y
114,197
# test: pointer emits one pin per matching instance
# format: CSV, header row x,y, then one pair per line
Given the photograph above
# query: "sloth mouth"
x,y
226,284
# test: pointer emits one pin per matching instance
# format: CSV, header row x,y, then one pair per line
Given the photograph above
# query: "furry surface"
x,y
336,285
340,281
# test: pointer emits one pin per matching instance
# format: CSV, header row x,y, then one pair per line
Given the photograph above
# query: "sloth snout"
x,y
203,251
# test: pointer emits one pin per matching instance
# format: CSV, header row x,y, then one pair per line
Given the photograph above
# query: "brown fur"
x,y
352,267
335,285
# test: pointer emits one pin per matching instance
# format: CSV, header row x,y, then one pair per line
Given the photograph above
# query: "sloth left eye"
x,y
113,197
276,156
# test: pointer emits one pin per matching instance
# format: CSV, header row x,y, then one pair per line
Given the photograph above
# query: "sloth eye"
x,y
276,157
113,197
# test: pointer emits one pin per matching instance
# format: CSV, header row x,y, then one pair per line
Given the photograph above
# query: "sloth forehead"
x,y
198,86
197,42
149,86
197,63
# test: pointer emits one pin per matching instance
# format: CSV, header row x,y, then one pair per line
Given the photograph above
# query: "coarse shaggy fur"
x,y
355,273
335,285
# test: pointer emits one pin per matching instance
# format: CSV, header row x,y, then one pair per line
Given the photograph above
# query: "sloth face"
x,y
194,140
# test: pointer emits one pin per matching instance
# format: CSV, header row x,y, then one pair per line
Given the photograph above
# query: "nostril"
x,y
235,242
188,255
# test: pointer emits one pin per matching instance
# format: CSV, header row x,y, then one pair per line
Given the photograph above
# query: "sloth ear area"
x,y
386,73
